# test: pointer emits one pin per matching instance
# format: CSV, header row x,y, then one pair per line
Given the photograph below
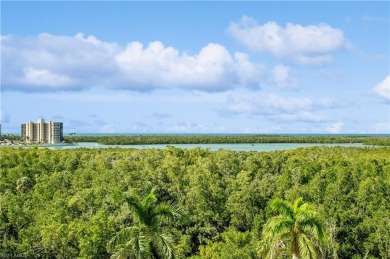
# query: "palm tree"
x,y
147,238
297,226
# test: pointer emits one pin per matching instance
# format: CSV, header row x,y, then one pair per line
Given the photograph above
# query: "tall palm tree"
x,y
296,226
147,238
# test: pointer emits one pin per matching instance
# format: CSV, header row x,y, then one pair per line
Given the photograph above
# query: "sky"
x,y
197,67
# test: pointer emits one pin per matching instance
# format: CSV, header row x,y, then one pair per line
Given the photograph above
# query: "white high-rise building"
x,y
42,132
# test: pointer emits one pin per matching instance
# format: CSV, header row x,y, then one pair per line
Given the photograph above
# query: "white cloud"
x,y
279,108
43,77
311,44
280,76
274,104
334,128
51,62
212,69
383,88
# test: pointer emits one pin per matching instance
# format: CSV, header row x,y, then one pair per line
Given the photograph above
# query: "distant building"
x,y
42,132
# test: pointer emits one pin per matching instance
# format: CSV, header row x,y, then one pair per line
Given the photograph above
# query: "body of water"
x,y
213,147
229,134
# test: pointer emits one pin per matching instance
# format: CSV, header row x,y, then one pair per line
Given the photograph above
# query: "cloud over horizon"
x,y
59,63
310,44
280,108
383,89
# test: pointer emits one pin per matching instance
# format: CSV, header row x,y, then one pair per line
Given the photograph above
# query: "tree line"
x,y
209,139
82,202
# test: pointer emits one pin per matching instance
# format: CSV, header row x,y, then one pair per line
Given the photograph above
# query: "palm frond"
x,y
121,237
140,244
306,207
298,203
313,226
122,252
135,205
270,249
164,244
149,201
307,247
129,241
167,213
282,207
278,226
148,188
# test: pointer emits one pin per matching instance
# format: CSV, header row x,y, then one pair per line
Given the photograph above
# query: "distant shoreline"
x,y
223,134
230,134
136,139
228,139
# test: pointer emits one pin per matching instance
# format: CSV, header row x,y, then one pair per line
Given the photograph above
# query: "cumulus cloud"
x,y
311,44
52,62
35,77
383,89
212,69
280,76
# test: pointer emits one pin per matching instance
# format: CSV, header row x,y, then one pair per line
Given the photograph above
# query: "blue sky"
x,y
196,67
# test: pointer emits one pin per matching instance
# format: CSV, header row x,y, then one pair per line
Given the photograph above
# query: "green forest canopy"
x,y
64,203
219,139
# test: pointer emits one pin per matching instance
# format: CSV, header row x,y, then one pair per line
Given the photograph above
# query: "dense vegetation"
x,y
69,203
208,139
10,137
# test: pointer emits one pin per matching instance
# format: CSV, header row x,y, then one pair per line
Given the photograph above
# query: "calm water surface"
x,y
214,147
